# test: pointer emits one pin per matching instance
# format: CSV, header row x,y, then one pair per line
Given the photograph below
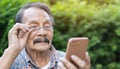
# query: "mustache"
x,y
40,40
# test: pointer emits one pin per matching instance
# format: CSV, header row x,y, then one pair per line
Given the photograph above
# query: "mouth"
x,y
41,40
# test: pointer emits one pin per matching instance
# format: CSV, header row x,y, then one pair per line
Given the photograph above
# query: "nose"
x,y
41,32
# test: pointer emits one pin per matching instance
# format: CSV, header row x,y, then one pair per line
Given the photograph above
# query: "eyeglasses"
x,y
45,27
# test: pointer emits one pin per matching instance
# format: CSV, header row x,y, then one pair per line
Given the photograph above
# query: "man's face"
x,y
42,31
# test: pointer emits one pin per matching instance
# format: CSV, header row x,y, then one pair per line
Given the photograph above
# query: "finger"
x,y
16,29
27,33
61,66
21,34
21,27
78,61
26,27
22,30
87,58
68,64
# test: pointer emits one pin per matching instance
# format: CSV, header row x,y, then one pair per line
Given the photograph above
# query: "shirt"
x,y
46,66
23,61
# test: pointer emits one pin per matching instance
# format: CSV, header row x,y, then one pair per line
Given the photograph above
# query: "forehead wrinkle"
x,y
35,14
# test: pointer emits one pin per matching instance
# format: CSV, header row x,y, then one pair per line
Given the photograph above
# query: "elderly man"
x,y
30,42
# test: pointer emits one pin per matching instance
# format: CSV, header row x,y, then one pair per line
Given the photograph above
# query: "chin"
x,y
42,47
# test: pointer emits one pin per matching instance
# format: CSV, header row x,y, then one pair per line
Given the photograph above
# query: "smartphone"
x,y
76,46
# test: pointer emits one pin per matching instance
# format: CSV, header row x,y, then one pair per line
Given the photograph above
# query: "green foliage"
x,y
98,20
7,13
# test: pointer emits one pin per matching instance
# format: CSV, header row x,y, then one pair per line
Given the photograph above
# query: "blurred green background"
x,y
99,20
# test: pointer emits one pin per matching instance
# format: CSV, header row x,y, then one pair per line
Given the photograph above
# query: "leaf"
x,y
117,31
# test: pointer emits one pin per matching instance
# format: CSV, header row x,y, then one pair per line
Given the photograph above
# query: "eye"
x,y
33,26
47,27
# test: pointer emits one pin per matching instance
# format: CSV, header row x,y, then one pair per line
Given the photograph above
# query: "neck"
x,y
40,58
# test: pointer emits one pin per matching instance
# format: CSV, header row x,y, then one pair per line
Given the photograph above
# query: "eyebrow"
x,y
33,22
48,21
36,22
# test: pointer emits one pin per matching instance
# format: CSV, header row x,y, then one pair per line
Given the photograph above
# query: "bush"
x,y
97,20
8,11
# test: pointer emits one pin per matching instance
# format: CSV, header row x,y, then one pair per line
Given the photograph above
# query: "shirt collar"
x,y
25,55
54,58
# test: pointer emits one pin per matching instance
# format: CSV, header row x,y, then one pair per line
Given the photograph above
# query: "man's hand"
x,y
18,36
65,64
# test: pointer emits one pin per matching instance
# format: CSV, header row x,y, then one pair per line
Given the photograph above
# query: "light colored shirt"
x,y
46,66
23,61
